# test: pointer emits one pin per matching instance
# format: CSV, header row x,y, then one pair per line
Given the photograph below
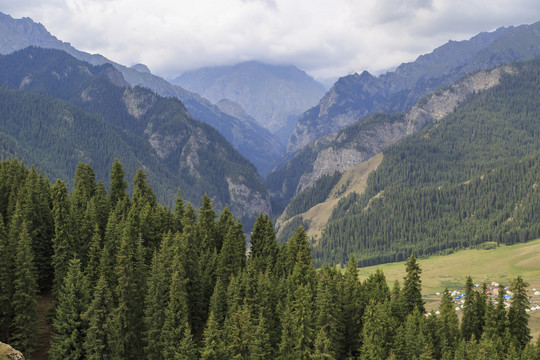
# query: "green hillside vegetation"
x,y
471,178
85,113
132,279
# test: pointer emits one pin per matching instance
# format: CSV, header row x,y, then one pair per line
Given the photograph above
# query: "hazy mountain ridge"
x,y
273,95
159,134
356,143
356,95
254,142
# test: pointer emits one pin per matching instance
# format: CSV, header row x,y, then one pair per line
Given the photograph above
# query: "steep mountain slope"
x,y
134,124
356,96
469,178
253,141
274,95
358,142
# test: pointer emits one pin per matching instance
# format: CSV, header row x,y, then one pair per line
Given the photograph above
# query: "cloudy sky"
x,y
326,38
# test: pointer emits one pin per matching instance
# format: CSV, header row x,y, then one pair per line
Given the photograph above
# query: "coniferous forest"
x,y
131,279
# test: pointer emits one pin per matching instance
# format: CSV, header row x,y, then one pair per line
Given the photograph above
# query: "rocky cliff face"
x,y
353,145
355,96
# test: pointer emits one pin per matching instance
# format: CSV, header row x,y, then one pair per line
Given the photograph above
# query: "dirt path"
x,y
44,306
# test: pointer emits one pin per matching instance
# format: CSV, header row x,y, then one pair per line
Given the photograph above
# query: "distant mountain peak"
x,y
274,95
141,68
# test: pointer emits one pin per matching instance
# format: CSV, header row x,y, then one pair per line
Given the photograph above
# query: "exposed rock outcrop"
x,y
9,353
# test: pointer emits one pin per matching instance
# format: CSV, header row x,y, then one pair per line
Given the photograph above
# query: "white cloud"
x,y
327,38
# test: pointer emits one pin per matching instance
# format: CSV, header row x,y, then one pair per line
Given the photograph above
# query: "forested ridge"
x,y
471,178
58,111
132,279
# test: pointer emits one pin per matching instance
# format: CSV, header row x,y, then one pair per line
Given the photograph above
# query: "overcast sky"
x,y
326,38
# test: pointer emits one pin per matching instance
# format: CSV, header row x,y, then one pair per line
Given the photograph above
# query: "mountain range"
x,y
413,161
252,140
355,96
274,95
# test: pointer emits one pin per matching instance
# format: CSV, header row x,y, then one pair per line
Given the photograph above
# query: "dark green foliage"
x,y
377,334
97,344
7,275
127,318
517,316
157,298
213,343
118,185
448,328
24,323
139,295
69,321
35,206
412,287
264,248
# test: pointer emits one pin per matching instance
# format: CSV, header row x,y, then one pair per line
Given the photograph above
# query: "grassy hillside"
x,y
353,180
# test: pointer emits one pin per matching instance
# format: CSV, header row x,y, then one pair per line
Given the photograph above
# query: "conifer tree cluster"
x,y
132,279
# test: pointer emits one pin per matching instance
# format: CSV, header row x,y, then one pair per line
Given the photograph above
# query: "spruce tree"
x,y
176,315
412,286
377,334
517,316
448,326
7,274
261,345
353,309
303,322
323,347
238,332
213,348
118,185
127,322
69,322
178,212
94,258
218,301
159,282
232,257
97,344
409,342
329,310
34,197
264,247
24,324
63,243
8,266
375,287
469,316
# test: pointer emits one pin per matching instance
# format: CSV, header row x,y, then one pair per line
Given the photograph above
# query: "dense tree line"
x,y
132,279
469,179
